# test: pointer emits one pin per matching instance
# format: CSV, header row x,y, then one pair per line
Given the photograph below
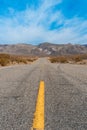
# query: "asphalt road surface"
x,y
65,95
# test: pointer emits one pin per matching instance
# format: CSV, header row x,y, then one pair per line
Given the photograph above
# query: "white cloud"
x,y
32,26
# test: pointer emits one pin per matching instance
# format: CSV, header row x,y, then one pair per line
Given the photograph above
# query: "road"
x,y
65,95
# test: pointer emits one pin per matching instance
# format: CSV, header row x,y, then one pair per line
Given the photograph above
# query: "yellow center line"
x,y
38,121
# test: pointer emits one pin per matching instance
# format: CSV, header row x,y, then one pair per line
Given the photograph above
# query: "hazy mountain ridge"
x,y
43,49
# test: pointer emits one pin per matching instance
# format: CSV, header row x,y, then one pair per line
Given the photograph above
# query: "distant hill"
x,y
18,49
43,49
85,45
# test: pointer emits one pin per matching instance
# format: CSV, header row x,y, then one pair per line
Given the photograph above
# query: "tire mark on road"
x,y
67,108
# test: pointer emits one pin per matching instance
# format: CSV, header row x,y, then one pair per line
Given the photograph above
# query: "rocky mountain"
x,y
43,49
19,49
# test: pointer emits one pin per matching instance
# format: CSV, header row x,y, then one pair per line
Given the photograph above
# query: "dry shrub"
x,y
77,58
6,56
6,59
53,60
63,60
68,58
60,59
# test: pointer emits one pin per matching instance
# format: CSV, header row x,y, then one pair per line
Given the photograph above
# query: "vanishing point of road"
x,y
65,95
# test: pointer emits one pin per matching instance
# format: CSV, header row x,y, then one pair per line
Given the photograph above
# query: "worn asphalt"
x,y
65,95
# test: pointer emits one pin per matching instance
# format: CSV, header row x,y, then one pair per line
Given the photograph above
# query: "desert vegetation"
x,y
7,59
81,59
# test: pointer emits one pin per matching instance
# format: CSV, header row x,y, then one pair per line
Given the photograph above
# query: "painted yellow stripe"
x,y
38,121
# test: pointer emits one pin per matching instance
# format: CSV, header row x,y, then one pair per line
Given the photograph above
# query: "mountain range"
x,y
43,49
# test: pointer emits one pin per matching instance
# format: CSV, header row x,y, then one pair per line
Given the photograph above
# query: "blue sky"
x,y
36,21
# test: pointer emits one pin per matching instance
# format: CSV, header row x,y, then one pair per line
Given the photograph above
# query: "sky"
x,y
37,21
